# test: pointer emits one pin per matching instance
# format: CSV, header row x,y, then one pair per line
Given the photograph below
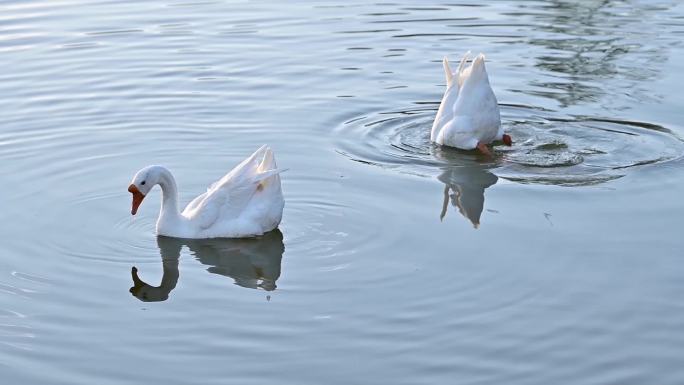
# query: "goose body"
x,y
468,116
246,202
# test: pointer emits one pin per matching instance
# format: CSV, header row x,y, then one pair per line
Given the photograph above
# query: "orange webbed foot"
x,y
483,149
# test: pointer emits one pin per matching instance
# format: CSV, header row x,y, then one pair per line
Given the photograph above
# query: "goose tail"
x,y
447,71
267,168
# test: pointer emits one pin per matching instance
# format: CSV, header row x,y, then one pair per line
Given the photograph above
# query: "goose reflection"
x,y
465,187
252,262
465,181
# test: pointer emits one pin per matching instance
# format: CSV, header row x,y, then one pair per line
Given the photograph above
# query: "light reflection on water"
x,y
572,275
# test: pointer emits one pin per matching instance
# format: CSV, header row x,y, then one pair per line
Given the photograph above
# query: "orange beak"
x,y
137,198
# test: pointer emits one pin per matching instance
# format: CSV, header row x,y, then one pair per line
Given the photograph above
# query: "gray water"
x,y
558,261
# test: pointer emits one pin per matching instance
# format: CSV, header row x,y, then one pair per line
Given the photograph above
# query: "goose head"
x,y
148,293
142,183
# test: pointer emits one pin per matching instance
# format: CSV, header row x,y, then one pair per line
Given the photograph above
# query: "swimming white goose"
x,y
246,202
468,116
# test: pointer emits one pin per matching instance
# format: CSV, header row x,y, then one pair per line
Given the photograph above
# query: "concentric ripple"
x,y
547,149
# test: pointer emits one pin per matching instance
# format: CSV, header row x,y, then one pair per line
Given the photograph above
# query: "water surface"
x,y
556,261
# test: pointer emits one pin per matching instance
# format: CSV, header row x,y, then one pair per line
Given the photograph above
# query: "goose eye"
x,y
142,183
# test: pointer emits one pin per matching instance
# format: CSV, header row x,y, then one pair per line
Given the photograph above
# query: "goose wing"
x,y
230,195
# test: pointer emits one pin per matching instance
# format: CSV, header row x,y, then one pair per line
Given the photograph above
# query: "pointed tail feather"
x,y
261,159
268,160
478,63
248,167
254,158
447,71
461,65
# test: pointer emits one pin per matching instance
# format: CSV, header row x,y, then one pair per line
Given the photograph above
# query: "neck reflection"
x,y
252,262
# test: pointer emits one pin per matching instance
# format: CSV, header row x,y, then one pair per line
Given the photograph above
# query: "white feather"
x,y
469,112
246,202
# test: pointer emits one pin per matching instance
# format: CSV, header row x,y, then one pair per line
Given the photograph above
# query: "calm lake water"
x,y
557,262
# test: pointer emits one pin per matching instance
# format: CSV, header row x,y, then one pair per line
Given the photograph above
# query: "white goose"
x,y
246,202
468,116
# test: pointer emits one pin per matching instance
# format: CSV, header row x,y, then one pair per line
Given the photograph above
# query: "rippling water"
x,y
556,261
